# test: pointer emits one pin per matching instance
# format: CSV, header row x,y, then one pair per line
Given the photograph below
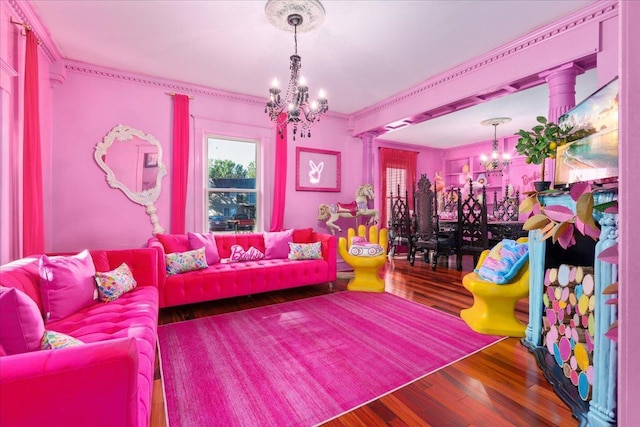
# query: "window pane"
x,y
231,167
232,211
232,164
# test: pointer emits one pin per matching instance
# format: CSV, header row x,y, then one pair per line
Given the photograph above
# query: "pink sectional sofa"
x,y
107,381
225,280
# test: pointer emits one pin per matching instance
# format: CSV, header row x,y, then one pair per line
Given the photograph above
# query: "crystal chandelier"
x,y
304,15
496,162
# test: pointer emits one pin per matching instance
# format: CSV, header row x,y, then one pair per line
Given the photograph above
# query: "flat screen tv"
x,y
591,153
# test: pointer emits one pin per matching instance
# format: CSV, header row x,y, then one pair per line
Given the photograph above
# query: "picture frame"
x,y
317,170
150,160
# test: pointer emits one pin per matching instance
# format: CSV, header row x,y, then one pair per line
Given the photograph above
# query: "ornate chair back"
x,y
399,223
472,232
426,236
507,208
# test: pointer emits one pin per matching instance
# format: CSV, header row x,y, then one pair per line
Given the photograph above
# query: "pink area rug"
x,y
304,362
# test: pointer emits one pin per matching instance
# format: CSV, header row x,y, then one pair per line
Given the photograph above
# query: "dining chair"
x,y
427,237
399,224
507,208
472,232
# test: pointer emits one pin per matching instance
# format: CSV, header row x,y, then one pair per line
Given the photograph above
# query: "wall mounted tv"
x,y
591,153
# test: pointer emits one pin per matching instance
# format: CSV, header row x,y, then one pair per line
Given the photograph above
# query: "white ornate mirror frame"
x,y
146,197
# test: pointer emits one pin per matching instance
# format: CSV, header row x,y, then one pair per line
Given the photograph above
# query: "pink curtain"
x,y
33,211
401,160
280,180
180,163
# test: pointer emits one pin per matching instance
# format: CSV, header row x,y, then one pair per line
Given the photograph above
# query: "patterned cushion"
x,y
504,261
52,340
366,250
181,262
114,283
239,254
305,251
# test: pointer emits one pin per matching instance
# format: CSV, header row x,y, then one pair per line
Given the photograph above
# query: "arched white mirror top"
x,y
132,161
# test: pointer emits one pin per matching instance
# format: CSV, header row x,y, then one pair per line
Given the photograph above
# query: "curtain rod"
x,y
174,94
24,24
398,149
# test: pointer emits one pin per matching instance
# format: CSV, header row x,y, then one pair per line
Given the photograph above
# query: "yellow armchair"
x,y
366,268
494,306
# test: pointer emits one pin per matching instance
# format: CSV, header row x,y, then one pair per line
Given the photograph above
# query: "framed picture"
x,y
317,170
150,160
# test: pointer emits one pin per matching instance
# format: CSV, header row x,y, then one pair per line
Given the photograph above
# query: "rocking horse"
x,y
349,210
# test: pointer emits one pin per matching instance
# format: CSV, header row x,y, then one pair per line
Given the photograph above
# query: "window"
x,y
232,191
396,186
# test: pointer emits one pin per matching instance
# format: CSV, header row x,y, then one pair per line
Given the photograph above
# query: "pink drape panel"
x,y
398,159
280,179
32,203
180,163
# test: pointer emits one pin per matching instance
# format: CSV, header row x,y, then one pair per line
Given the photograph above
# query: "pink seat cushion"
x,y
21,324
174,242
66,284
208,241
277,244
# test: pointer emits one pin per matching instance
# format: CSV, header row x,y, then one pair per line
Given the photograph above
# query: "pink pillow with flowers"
x,y
114,283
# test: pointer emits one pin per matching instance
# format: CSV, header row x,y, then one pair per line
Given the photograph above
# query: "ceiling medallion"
x,y
295,14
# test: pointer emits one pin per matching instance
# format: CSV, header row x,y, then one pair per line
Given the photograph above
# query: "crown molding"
x,y
171,85
600,10
27,15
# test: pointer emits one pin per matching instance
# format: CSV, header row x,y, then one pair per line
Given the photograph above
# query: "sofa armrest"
x,y
155,244
94,384
329,251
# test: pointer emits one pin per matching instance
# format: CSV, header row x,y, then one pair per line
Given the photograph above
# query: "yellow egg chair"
x,y
494,306
366,268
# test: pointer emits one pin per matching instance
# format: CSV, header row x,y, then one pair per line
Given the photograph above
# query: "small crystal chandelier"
x,y
300,112
496,162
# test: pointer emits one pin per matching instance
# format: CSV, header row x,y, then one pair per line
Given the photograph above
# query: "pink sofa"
x,y
108,381
225,280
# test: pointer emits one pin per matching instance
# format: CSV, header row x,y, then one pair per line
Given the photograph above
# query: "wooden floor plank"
x,y
498,386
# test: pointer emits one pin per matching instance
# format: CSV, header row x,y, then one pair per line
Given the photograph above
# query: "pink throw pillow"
x,y
277,244
208,241
239,254
21,324
174,242
66,284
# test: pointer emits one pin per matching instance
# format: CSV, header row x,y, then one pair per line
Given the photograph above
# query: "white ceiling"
x,y
364,52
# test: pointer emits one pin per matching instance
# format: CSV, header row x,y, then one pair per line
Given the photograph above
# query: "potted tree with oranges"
x,y
541,143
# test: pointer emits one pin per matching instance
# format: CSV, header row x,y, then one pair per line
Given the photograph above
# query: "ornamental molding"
x,y
27,15
171,85
600,11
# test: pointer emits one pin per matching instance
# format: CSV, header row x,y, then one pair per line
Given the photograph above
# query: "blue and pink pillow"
x,y
504,261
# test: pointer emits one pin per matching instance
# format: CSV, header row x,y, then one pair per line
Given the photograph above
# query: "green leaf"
x,y
541,119
604,206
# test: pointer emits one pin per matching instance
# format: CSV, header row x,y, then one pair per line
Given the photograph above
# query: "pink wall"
x,y
89,104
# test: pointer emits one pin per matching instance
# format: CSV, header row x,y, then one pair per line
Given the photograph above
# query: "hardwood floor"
x,y
498,386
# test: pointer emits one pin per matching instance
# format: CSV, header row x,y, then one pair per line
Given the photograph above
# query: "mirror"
x,y
132,161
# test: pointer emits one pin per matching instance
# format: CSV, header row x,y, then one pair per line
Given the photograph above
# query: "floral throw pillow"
x,y
181,262
298,251
114,283
52,340
239,254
